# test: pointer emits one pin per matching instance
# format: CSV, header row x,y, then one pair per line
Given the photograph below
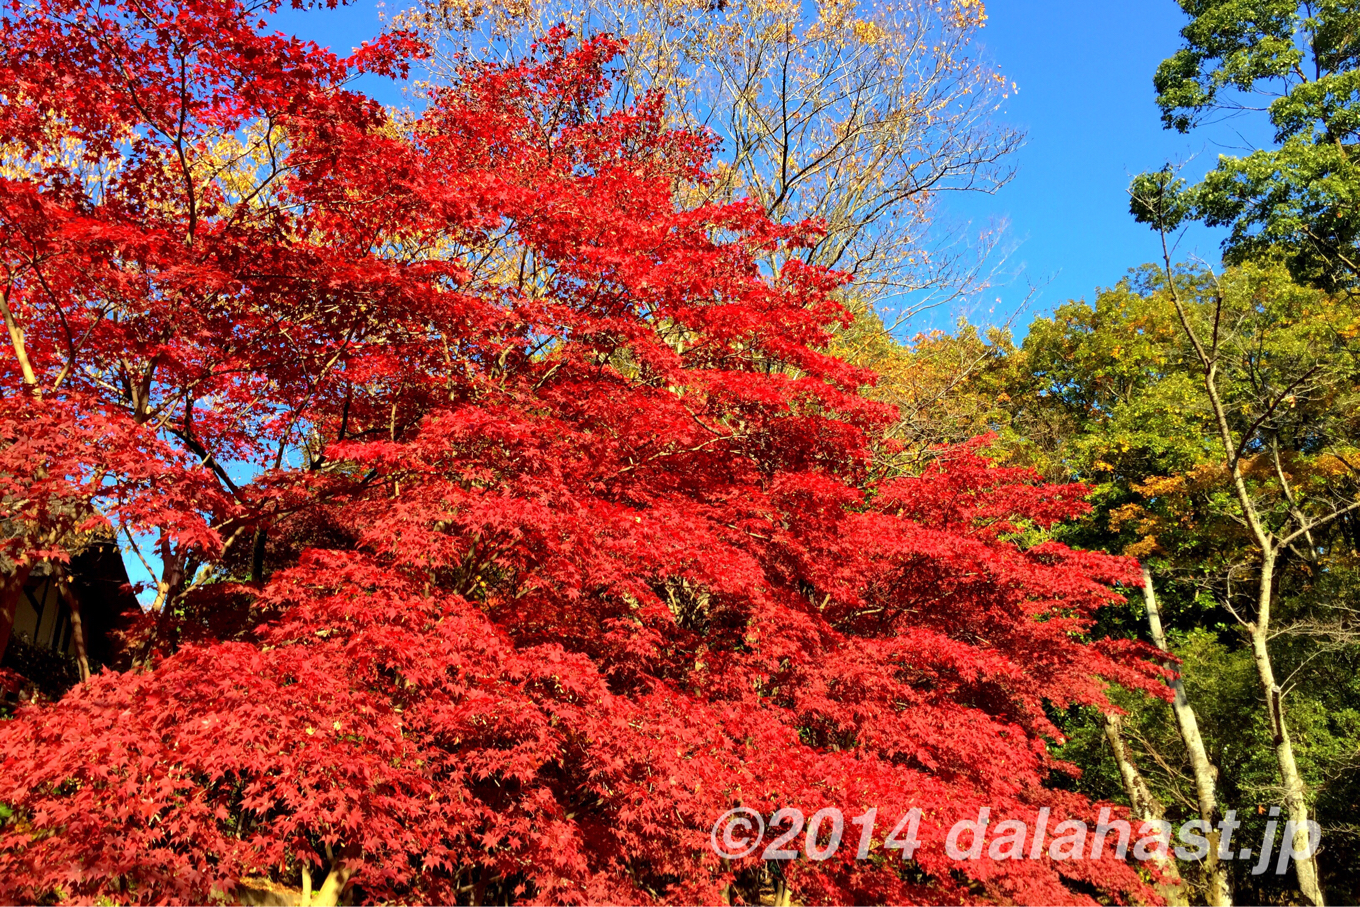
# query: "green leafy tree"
x,y
1294,62
1111,392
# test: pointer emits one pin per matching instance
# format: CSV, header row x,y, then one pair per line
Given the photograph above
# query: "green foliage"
x,y
1297,63
1110,392
1160,199
1221,681
944,386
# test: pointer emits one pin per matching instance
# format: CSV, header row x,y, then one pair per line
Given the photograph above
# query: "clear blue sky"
x,y
1084,72
1086,101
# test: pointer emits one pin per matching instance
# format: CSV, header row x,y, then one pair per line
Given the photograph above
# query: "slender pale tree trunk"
x,y
1295,793
1205,773
1145,808
1269,545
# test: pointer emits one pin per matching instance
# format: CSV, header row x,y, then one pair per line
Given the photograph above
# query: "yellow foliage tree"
x,y
859,115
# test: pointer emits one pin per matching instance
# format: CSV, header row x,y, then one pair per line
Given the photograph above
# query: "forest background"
x,y
1205,391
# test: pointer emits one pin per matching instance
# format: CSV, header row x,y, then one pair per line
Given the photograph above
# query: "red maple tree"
x,y
512,524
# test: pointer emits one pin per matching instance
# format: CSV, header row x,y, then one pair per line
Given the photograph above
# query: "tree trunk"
x,y
77,626
1259,629
1295,798
169,586
783,894
328,895
257,556
1145,808
479,890
11,587
1205,773
16,338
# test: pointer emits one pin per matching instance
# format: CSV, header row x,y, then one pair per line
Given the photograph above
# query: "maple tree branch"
x,y
16,339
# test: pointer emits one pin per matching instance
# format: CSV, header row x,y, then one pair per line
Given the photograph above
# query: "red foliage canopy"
x,y
582,541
